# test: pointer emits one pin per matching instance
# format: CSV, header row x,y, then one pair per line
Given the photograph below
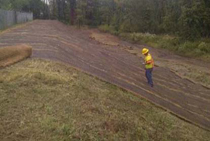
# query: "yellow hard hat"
x,y
145,50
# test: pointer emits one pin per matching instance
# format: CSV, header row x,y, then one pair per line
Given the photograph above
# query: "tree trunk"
x,y
72,11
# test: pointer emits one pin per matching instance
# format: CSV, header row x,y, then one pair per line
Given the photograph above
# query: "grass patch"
x,y
42,100
12,54
196,49
109,29
196,75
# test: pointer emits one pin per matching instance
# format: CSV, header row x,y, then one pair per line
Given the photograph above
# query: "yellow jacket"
x,y
149,62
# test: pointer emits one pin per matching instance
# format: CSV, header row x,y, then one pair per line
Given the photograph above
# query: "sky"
x,y
47,1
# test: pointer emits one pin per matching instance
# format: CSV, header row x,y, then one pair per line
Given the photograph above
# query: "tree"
x,y
187,18
38,7
72,11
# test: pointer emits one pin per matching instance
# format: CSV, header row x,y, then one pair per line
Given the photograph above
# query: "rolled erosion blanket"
x,y
12,54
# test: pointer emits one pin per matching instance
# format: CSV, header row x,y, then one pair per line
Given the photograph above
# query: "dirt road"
x,y
55,41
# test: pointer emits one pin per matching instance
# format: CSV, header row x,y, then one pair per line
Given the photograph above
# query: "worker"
x,y
149,65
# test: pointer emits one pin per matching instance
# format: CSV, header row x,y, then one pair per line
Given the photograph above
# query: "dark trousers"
x,y
149,76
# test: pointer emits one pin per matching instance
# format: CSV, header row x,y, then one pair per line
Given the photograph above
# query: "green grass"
x,y
43,100
196,49
109,29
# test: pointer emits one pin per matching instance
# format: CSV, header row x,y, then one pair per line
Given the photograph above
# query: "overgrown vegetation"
x,y
199,49
196,49
187,19
41,100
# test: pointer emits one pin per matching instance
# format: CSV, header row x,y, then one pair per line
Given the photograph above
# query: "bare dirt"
x,y
56,41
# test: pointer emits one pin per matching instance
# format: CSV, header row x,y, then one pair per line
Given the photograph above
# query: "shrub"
x,y
104,28
205,47
186,47
109,28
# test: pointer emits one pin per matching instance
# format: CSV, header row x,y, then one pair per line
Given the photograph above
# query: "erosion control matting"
x,y
56,41
12,54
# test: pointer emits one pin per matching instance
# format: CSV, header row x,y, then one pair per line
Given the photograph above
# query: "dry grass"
x,y
46,101
12,54
106,39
